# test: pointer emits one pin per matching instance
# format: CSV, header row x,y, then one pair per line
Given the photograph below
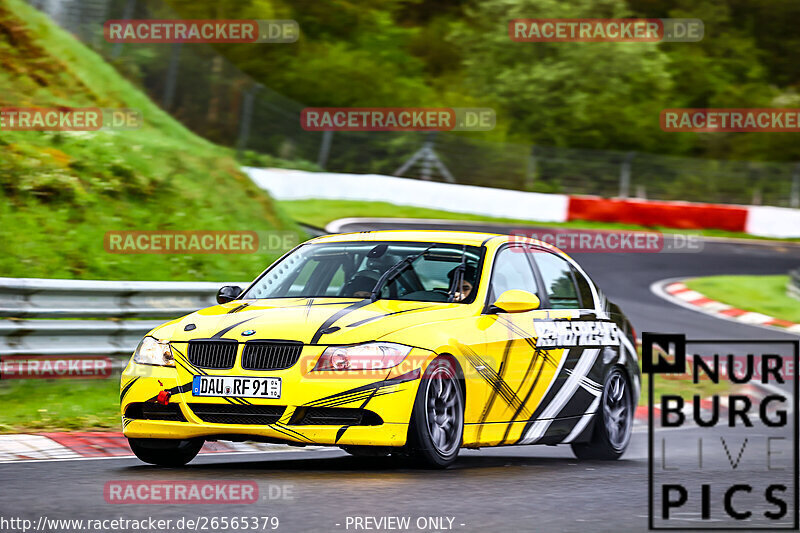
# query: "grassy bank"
x,y
60,192
762,294
59,404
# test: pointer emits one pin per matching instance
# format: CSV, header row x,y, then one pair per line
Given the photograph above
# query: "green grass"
x,y
320,212
59,404
61,192
762,294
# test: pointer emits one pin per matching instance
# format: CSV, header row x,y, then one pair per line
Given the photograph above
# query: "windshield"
x,y
351,270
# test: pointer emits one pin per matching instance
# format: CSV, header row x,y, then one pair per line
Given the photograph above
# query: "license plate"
x,y
236,387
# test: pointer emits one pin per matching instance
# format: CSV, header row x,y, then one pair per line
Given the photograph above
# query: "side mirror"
x,y
228,293
515,301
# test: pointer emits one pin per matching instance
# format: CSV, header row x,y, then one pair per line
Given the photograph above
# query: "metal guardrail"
x,y
37,299
57,298
72,337
793,287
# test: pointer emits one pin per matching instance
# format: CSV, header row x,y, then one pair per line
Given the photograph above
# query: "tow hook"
x,y
163,397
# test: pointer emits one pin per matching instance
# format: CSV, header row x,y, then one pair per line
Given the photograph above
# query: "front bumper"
x,y
386,397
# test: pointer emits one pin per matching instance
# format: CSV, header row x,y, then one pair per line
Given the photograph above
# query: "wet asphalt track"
x,y
508,489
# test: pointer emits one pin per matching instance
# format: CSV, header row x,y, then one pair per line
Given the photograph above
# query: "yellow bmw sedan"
x,y
414,343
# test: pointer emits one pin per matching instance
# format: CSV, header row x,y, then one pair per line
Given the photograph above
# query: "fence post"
x,y
428,159
625,175
755,178
530,171
130,7
794,199
245,119
172,77
325,149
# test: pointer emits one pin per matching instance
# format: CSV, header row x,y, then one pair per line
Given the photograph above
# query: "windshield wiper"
x,y
394,271
458,276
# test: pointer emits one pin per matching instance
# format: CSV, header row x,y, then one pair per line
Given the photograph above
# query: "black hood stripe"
x,y
370,319
336,316
219,334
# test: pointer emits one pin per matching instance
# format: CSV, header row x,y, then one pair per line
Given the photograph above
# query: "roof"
x,y
470,238
451,237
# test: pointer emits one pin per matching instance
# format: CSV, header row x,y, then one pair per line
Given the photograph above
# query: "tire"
x,y
613,422
436,428
166,452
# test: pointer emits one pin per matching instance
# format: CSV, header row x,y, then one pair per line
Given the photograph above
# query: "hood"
x,y
308,320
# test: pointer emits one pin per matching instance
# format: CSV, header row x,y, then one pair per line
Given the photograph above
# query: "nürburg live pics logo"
x,y
723,433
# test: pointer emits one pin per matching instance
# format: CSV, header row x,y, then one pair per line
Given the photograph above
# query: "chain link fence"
x,y
214,98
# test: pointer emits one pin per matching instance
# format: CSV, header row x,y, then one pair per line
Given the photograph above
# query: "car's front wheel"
x,y
614,421
166,452
437,421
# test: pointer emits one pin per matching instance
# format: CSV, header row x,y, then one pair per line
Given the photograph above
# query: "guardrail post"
x,y
246,118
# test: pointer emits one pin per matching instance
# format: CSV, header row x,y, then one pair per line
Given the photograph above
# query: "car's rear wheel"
x,y
437,421
166,452
614,421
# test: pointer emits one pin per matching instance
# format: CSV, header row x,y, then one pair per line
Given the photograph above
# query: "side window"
x,y
512,270
336,283
584,289
558,281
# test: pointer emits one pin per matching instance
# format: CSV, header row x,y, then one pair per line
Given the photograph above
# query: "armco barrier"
x,y
72,337
58,298
110,300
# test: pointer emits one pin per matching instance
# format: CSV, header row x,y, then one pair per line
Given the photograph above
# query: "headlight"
x,y
152,351
370,356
